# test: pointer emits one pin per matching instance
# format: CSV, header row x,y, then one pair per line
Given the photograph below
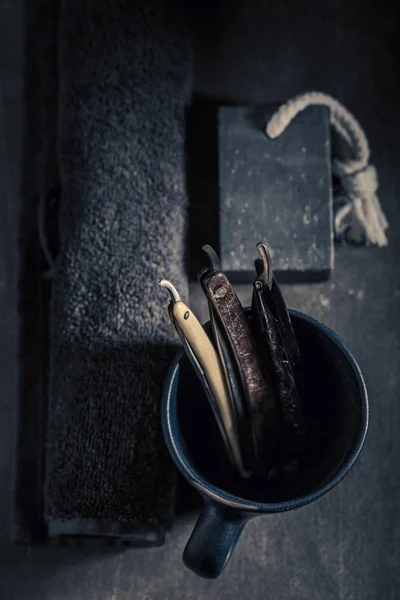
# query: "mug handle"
x,y
213,539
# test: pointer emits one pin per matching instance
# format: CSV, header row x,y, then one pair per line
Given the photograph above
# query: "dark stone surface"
x,y
275,190
346,546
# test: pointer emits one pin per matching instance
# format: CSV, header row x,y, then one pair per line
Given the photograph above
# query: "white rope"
x,y
358,178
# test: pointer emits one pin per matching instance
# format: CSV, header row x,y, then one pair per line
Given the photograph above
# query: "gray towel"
x,y
125,80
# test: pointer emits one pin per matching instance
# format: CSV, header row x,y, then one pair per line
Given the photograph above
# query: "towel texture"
x,y
125,81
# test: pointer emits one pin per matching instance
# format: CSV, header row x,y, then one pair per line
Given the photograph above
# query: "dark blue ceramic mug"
x,y
335,406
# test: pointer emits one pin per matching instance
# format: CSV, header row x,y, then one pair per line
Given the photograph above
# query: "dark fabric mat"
x,y
125,81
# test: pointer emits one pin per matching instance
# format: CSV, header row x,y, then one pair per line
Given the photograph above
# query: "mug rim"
x,y
226,498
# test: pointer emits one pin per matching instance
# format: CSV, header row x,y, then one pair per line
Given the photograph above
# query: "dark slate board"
x,y
275,190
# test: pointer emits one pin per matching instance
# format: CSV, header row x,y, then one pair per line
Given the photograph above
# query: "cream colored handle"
x,y
207,357
210,363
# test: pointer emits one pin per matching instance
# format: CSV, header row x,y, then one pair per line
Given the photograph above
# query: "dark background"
x,y
254,52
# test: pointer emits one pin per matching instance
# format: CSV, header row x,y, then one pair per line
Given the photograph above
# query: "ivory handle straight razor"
x,y
207,358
